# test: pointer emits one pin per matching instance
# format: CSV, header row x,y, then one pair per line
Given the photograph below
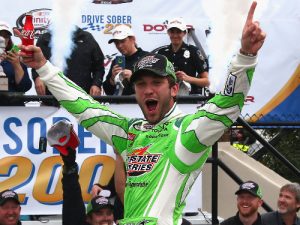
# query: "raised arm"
x,y
201,130
95,117
252,37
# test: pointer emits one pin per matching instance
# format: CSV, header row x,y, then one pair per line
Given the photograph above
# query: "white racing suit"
x,y
162,160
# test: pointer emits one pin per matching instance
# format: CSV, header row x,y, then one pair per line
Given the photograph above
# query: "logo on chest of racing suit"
x,y
140,161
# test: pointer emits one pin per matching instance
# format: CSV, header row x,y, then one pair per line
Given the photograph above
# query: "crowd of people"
x,y
156,187
101,210
85,65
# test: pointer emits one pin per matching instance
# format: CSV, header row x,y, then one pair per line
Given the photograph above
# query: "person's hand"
x,y
39,86
252,37
13,58
96,189
95,90
127,74
182,76
36,60
115,70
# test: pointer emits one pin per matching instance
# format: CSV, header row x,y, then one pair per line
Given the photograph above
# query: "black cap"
x,y
8,195
250,187
155,63
97,203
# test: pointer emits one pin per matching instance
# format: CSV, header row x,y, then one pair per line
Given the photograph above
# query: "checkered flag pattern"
x,y
92,26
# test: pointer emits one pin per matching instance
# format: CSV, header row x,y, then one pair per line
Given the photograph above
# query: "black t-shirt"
x,y
235,220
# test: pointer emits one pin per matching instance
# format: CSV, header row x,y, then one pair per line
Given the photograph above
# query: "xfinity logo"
x,y
41,21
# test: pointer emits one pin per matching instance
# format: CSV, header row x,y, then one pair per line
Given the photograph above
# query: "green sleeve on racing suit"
x,y
162,160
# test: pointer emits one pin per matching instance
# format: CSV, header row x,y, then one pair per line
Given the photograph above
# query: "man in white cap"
x,y
125,42
190,65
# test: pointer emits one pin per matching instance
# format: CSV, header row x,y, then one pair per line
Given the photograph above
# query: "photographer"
x,y
14,74
125,42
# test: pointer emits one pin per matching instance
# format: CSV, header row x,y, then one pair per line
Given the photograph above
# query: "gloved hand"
x,y
62,136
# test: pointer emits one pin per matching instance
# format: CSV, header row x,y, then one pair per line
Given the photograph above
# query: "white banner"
x,y
36,175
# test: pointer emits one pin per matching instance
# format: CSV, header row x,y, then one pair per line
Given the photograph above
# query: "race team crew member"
x,y
190,65
164,152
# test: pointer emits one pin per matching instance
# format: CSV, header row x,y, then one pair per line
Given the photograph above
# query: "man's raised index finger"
x,y
251,12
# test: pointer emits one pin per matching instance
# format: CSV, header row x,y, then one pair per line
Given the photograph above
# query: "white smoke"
x,y
64,18
227,19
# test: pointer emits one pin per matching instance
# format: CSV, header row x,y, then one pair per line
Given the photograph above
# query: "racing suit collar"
x,y
172,114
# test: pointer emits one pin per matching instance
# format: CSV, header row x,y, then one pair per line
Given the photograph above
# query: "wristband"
x,y
247,53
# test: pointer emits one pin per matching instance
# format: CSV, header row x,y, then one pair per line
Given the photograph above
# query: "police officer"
x,y
190,65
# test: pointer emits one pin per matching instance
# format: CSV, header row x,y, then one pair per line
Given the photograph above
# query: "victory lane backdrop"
x,y
36,176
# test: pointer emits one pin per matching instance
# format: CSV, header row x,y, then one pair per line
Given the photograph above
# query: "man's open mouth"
x,y
151,104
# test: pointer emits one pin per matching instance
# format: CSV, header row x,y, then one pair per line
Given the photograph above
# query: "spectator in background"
x,y
241,139
125,42
10,208
85,65
14,74
190,65
117,188
288,205
249,199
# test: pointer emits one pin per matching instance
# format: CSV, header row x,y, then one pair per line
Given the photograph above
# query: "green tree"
x,y
288,144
